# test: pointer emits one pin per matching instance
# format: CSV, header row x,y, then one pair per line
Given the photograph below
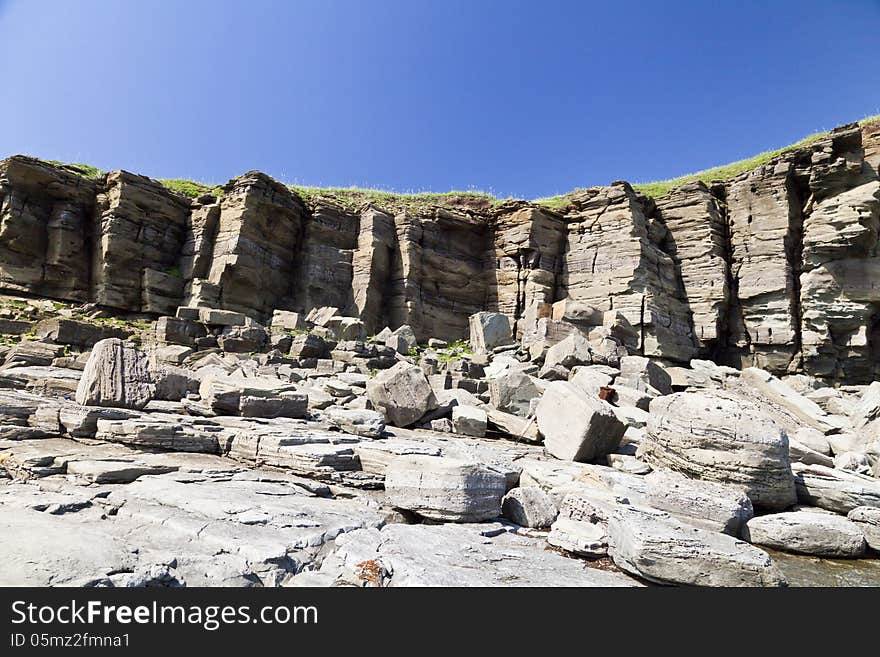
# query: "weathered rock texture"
x,y
773,268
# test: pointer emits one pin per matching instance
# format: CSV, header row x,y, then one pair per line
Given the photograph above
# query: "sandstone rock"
x,y
402,340
217,317
573,350
529,506
469,420
369,424
805,532
175,330
445,489
287,320
116,374
513,391
835,490
252,397
716,437
402,394
867,519
643,374
577,427
307,345
654,545
489,330
73,332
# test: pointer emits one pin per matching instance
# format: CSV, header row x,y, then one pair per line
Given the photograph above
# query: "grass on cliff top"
x,y
355,197
660,188
190,188
84,170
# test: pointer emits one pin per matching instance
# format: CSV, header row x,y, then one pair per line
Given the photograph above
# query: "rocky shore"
x,y
208,449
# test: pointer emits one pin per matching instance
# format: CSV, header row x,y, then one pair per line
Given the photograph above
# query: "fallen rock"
x,y
643,374
654,545
867,519
445,489
807,532
469,420
577,427
403,340
360,422
402,394
117,375
529,506
713,436
489,330
513,391
835,490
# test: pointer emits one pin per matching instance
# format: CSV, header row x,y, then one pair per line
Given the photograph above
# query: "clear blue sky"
x,y
524,98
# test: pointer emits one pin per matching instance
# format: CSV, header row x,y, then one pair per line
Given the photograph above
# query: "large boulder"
x,y
117,374
643,374
357,421
469,420
402,394
713,436
807,532
489,330
252,396
654,545
446,489
575,426
573,350
839,491
512,391
403,340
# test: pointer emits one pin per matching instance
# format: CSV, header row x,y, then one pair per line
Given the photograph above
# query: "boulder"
x,y
446,489
75,332
512,391
807,532
529,506
577,427
654,545
174,330
573,350
714,436
216,317
839,491
252,397
402,394
469,420
867,519
403,340
643,374
360,422
582,524
307,345
489,330
117,374
287,320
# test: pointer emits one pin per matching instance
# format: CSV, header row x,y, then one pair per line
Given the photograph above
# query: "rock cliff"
x,y
774,268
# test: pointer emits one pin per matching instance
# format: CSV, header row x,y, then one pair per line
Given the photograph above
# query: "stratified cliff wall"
x,y
777,267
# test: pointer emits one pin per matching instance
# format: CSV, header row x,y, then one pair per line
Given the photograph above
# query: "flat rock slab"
x,y
458,555
807,532
656,546
835,490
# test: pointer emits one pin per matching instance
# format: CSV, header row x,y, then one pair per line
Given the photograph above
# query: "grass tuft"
x,y
190,188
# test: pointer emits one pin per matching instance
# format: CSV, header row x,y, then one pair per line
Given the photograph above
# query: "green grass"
x,y
354,197
190,188
660,188
84,170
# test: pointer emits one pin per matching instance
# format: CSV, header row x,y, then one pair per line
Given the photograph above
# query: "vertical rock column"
x,y
139,230
528,242
371,276
839,293
613,261
698,244
45,212
254,249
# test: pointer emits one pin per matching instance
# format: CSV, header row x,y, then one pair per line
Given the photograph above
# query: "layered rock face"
x,y
773,268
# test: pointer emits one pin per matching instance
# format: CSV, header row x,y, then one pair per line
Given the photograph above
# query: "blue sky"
x,y
522,98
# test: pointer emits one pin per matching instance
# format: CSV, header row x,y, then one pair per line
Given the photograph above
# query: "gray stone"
x,y
643,374
445,489
713,436
577,427
512,392
835,490
654,545
867,519
402,394
369,424
469,420
489,330
529,506
806,532
117,374
402,340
